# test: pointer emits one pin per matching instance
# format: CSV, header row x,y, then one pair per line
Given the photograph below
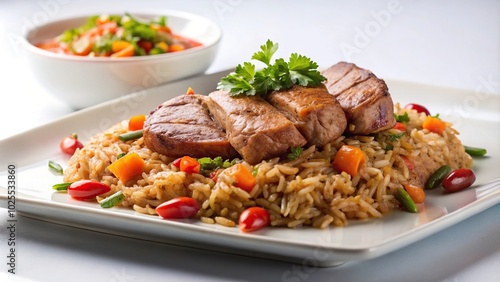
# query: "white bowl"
x,y
85,81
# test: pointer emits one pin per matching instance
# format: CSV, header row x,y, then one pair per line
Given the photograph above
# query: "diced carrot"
x,y
82,46
190,91
175,48
127,52
158,27
244,178
434,124
416,193
119,45
349,159
400,126
136,122
189,165
127,167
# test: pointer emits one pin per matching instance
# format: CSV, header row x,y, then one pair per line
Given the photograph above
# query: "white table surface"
x,y
447,43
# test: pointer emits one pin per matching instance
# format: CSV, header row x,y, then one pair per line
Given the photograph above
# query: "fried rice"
x,y
306,191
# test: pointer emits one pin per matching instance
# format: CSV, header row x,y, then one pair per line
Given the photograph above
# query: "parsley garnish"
x,y
217,162
395,137
295,153
402,118
245,80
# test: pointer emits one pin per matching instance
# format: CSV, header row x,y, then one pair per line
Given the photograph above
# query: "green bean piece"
x,y
404,198
475,151
61,187
55,168
130,135
437,177
112,200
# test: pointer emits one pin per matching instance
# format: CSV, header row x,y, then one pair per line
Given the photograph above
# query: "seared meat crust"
x,y
314,112
183,126
364,98
254,128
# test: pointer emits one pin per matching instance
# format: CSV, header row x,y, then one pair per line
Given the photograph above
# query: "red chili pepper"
x,y
182,207
418,108
254,218
69,144
87,189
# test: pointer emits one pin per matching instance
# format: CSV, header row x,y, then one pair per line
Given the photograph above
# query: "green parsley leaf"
x,y
395,137
295,153
402,118
255,170
207,163
280,75
266,53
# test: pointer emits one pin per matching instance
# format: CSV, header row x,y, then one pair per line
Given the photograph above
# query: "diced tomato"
x,y
400,126
69,144
418,108
145,45
189,165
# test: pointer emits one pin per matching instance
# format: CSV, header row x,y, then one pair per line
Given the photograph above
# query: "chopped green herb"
x,y
61,186
389,147
295,153
55,168
402,118
395,137
215,163
255,170
245,80
120,156
112,200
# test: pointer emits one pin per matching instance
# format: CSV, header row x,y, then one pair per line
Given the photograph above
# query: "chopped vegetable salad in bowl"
x,y
89,59
119,36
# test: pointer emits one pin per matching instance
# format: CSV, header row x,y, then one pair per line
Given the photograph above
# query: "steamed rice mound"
x,y
305,191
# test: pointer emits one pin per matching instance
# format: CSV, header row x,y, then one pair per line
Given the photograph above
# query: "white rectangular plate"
x,y
475,114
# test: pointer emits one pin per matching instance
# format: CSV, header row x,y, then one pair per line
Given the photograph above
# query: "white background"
x,y
447,43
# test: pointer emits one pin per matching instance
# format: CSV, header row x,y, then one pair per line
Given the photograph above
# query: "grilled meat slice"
x,y
364,98
254,128
314,112
183,126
